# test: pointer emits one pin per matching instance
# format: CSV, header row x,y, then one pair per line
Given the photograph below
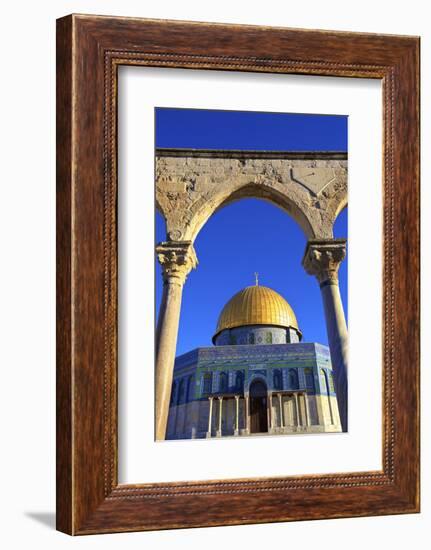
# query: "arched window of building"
x,y
277,380
173,391
223,382
207,383
309,379
191,388
251,338
325,390
268,338
293,379
232,339
239,381
181,392
323,381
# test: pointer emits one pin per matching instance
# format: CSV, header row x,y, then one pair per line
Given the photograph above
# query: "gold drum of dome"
x,y
256,305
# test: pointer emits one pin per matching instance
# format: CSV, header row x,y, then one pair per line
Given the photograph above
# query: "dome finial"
x,y
256,277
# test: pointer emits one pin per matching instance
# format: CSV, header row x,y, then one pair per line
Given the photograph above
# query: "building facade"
x,y
258,378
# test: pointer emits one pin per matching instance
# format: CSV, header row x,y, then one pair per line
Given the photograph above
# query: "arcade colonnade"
x,y
278,420
192,184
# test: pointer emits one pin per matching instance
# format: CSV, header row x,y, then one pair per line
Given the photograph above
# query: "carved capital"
x,y
322,258
177,259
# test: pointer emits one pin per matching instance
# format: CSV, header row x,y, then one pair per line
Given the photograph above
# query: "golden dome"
x,y
256,305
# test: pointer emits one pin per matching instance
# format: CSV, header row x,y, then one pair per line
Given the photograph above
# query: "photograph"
x,y
251,273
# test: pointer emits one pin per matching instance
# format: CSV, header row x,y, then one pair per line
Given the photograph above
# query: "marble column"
x,y
247,413
322,258
268,411
210,416
220,416
280,402
298,412
307,410
236,415
177,259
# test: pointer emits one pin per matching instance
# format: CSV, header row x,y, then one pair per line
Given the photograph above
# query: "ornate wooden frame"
x,y
89,51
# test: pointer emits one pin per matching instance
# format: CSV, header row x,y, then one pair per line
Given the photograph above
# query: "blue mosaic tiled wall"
x,y
230,369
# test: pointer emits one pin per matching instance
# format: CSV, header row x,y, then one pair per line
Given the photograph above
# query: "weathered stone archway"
x,y
193,184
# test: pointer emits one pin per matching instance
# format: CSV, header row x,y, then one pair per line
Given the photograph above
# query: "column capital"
x,y
177,259
322,258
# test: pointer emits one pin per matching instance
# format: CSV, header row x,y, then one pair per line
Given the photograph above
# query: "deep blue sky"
x,y
232,245
204,129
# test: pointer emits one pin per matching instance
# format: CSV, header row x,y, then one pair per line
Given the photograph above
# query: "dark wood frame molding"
x,y
89,51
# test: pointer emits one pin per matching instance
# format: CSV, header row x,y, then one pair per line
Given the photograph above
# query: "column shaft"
x,y
247,413
237,414
280,402
298,413
210,417
176,259
220,416
338,343
307,410
322,258
268,410
167,330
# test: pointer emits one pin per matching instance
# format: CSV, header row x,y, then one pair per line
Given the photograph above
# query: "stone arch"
x,y
258,391
324,381
205,209
191,185
253,378
339,203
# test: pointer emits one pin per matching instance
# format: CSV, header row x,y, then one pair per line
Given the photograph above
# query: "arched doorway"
x,y
258,407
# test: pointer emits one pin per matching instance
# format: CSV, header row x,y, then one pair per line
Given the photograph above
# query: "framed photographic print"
x,y
237,274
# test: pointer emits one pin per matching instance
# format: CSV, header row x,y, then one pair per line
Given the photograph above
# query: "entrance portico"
x,y
262,412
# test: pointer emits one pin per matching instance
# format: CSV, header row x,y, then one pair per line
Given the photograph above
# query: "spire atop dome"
x,y
256,277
